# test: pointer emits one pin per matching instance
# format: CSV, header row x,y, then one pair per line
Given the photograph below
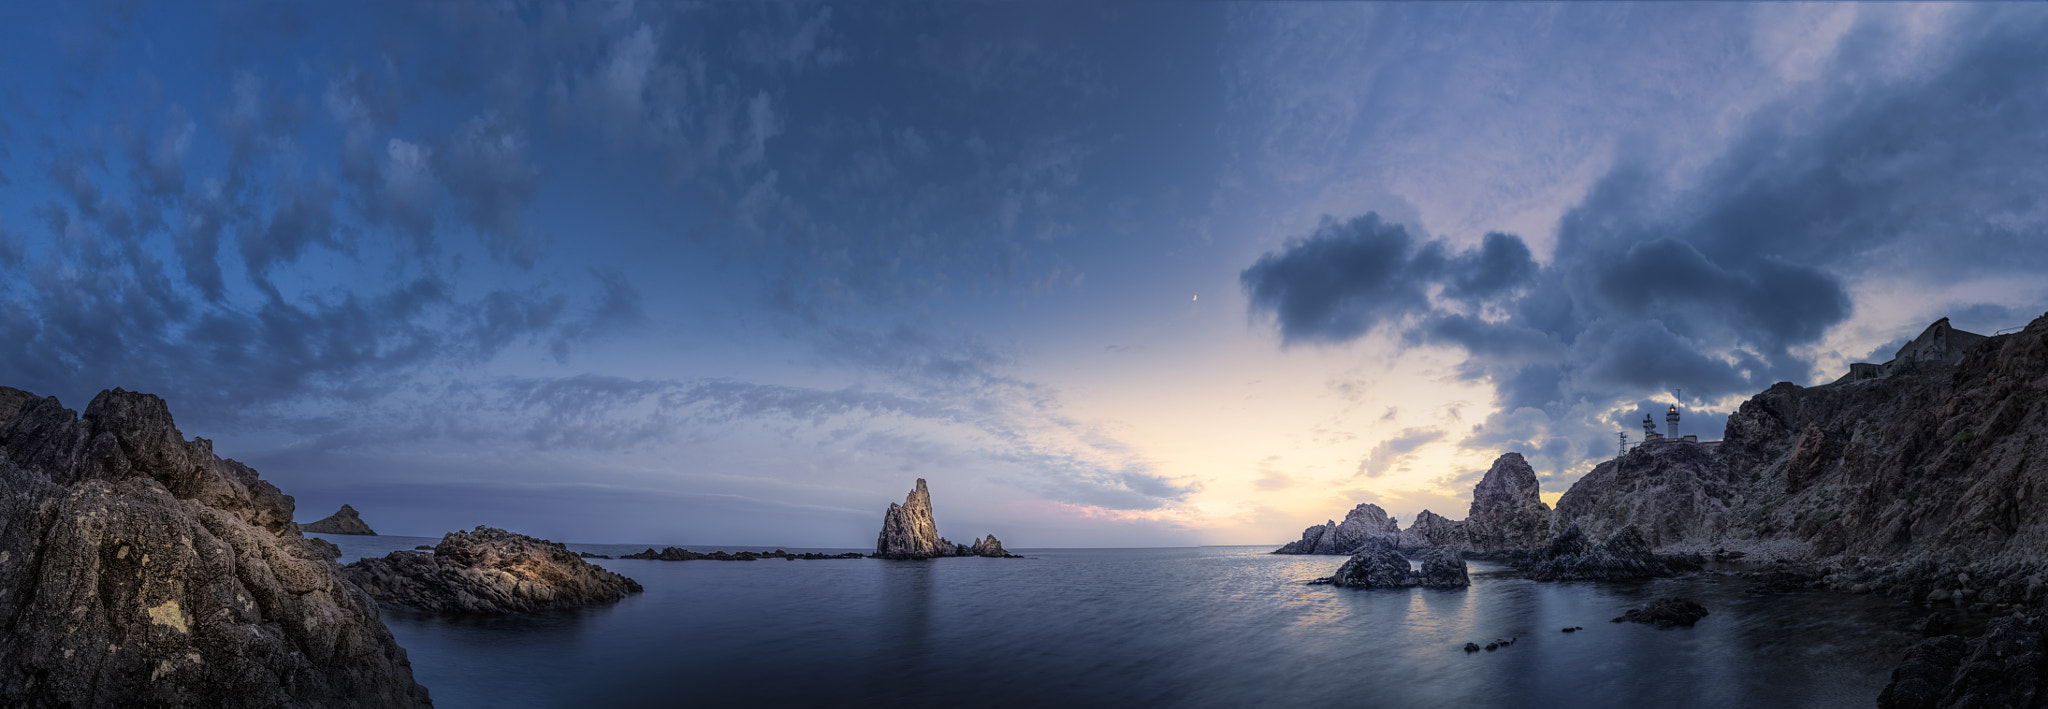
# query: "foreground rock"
x,y
674,554
1508,514
2002,668
1665,613
1379,565
1573,557
1364,523
487,571
908,532
343,521
139,569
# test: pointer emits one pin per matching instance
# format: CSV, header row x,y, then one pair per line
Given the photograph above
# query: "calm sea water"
x,y
1196,627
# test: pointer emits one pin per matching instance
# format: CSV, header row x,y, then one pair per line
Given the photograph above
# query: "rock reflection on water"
x,y
1214,626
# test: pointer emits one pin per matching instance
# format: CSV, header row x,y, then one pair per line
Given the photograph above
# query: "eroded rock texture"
x,y
908,531
1670,493
1573,556
1364,523
1431,530
486,571
343,521
1508,514
1379,565
138,568
2002,668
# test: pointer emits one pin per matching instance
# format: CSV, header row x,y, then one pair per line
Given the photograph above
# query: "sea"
x,y
1170,627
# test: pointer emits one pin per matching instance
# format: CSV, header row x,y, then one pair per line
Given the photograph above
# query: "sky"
x,y
1105,274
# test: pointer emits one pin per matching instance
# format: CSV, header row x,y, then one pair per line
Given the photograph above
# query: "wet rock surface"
x,y
1380,565
488,571
137,568
2002,668
1572,556
343,521
1666,613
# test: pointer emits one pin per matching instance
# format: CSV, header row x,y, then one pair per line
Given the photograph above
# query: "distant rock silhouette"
x,y
488,571
989,546
343,521
139,569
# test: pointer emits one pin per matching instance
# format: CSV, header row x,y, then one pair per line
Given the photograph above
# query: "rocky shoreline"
x,y
488,571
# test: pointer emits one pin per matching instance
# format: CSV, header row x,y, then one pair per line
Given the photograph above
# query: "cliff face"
x,y
1430,530
343,521
488,571
1668,493
138,568
908,531
1364,523
1507,512
1947,463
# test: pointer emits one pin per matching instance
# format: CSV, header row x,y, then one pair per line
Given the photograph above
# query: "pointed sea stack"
x,y
908,531
343,521
1508,514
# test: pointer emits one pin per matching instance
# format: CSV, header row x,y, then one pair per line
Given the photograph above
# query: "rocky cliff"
x,y
1669,493
908,531
1508,513
343,521
1364,523
138,568
489,571
1431,530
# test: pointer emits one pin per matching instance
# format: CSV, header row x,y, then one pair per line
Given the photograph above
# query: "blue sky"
x,y
1106,275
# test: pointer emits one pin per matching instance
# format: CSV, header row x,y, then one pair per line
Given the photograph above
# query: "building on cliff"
x,y
1652,438
1940,345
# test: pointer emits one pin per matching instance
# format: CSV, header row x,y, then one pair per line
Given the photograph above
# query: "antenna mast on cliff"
x,y
1621,448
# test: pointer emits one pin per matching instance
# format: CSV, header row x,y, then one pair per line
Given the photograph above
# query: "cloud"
x,y
492,183
1389,454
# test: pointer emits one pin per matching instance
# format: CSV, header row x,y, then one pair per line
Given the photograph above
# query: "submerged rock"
x,y
1665,613
343,521
1508,514
138,568
487,571
1572,557
674,554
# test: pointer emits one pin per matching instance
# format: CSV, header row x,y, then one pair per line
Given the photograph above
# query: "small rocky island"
x,y
908,532
137,568
343,521
488,571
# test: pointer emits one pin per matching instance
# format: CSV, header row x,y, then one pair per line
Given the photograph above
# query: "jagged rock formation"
x,y
1366,522
1671,493
2002,668
487,571
1430,530
1508,514
989,546
138,568
343,521
1666,613
1379,565
1572,556
674,554
908,531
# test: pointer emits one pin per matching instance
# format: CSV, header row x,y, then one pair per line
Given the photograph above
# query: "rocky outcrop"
x,y
1666,613
2002,668
908,531
138,568
1572,556
674,554
1431,530
1669,493
1508,514
343,521
989,546
488,571
1379,565
1364,523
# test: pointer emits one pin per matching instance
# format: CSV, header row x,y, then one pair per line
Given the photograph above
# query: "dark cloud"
x,y
492,183
1719,285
